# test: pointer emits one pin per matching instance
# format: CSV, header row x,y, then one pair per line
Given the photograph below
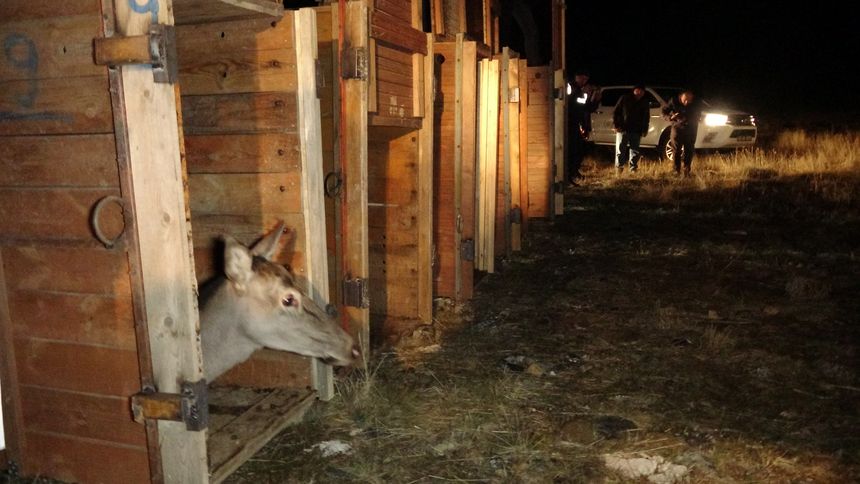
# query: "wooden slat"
x,y
402,9
523,82
85,161
242,153
17,10
514,147
55,106
425,73
90,271
80,368
225,72
397,33
235,443
31,214
10,406
468,188
194,11
50,48
313,205
353,157
82,415
270,369
84,460
239,113
239,194
77,318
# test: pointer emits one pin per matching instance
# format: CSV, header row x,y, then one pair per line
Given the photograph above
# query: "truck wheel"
x,y
664,149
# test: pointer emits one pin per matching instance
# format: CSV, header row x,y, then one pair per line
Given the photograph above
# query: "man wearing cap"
x,y
630,119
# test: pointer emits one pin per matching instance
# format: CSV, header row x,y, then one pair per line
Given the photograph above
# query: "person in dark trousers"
x,y
630,119
582,101
684,112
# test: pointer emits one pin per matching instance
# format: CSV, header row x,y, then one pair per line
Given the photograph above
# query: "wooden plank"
x,y
235,443
197,11
18,10
151,132
86,161
226,72
313,205
239,113
557,143
80,414
270,369
75,367
252,35
353,156
31,214
73,459
402,9
242,153
397,33
523,82
469,146
74,270
237,194
505,140
513,133
48,48
11,417
55,106
77,318
427,75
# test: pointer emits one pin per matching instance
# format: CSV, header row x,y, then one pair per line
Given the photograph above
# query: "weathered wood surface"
x,y
197,11
539,160
235,442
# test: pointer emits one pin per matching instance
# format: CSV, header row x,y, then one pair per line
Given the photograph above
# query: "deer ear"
x,y
268,245
237,263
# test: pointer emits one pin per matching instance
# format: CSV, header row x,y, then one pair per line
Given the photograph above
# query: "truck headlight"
x,y
714,119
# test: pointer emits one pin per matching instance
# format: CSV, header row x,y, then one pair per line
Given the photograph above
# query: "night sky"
x,y
786,64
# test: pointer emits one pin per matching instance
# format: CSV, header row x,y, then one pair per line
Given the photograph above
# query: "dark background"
x,y
783,64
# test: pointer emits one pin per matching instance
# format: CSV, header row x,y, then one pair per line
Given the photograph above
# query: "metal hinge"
x,y
516,215
354,63
355,293
191,406
467,249
157,48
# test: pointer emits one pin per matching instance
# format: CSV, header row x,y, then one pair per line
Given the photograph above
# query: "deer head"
x,y
260,305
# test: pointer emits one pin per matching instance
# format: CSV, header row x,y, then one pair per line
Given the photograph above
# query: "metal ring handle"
x,y
333,184
94,220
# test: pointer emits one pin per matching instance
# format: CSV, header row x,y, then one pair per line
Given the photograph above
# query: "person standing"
x,y
630,118
583,100
684,112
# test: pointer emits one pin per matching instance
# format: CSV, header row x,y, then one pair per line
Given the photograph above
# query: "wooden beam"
x,y
458,164
150,130
199,11
504,106
353,152
313,204
425,185
514,104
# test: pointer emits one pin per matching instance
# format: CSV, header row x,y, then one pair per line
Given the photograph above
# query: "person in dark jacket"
x,y
630,119
583,100
684,112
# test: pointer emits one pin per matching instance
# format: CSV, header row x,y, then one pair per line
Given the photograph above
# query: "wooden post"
x,y
558,140
149,125
504,105
10,399
513,93
425,187
458,164
313,204
524,140
488,160
353,152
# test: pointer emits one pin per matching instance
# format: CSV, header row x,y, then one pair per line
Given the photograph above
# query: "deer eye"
x,y
288,301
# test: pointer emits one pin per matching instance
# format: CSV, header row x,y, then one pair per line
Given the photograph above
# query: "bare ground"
x,y
673,334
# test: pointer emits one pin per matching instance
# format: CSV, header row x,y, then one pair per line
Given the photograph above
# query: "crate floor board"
x,y
243,420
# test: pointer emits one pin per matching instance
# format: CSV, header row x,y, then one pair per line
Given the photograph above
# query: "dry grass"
x,y
693,320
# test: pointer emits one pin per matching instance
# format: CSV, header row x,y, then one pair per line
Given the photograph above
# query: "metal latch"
x,y
354,63
191,406
157,48
516,215
467,249
355,293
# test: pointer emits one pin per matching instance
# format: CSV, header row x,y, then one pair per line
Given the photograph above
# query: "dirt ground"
x,y
646,335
